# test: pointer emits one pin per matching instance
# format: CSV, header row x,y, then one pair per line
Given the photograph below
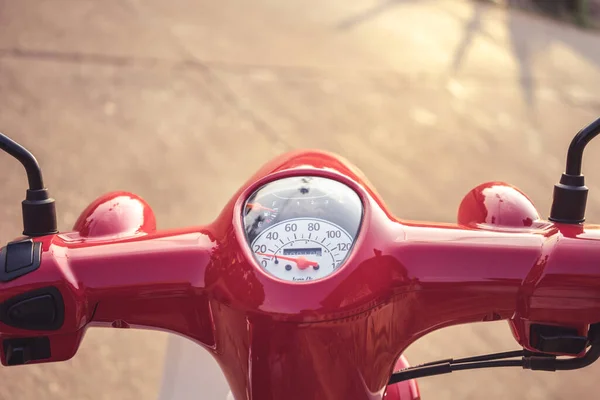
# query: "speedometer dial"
x,y
302,249
302,228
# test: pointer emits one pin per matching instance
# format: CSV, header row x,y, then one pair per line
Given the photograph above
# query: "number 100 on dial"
x,y
302,249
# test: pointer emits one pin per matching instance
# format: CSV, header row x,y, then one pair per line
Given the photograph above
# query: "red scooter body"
x,y
334,338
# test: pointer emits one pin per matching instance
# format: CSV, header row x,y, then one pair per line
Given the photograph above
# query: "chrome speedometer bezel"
x,y
281,175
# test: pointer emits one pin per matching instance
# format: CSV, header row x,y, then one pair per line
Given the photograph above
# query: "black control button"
x,y
562,344
18,355
19,255
19,258
556,339
41,309
20,351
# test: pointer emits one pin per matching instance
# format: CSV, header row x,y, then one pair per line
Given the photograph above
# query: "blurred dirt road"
x,y
178,101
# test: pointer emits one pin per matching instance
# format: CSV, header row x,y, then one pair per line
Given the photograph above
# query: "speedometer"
x,y
302,249
302,228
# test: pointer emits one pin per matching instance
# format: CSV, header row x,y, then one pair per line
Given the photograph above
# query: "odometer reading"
x,y
302,249
316,251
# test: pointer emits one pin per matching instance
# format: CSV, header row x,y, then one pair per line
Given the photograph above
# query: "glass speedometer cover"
x,y
302,228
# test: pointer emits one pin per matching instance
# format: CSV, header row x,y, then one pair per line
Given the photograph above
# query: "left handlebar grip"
x,y
42,310
114,269
154,280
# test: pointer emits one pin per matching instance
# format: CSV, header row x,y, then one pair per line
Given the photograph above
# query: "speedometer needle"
x,y
302,262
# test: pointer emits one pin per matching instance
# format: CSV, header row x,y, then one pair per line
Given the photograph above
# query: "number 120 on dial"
x,y
302,249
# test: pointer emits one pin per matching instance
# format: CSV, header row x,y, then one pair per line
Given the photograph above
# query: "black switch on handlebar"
x,y
557,339
19,258
41,309
19,255
22,351
18,355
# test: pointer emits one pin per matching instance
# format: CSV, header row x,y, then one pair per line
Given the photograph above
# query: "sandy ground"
x,y
179,101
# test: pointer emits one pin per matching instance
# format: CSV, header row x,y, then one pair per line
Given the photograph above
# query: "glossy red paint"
x,y
497,204
114,215
334,338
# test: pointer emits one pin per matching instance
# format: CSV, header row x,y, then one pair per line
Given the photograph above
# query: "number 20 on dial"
x,y
302,249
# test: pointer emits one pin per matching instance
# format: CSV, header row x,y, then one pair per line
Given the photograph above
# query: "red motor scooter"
x,y
306,286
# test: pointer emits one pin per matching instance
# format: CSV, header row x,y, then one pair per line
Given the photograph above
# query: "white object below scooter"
x,y
191,373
